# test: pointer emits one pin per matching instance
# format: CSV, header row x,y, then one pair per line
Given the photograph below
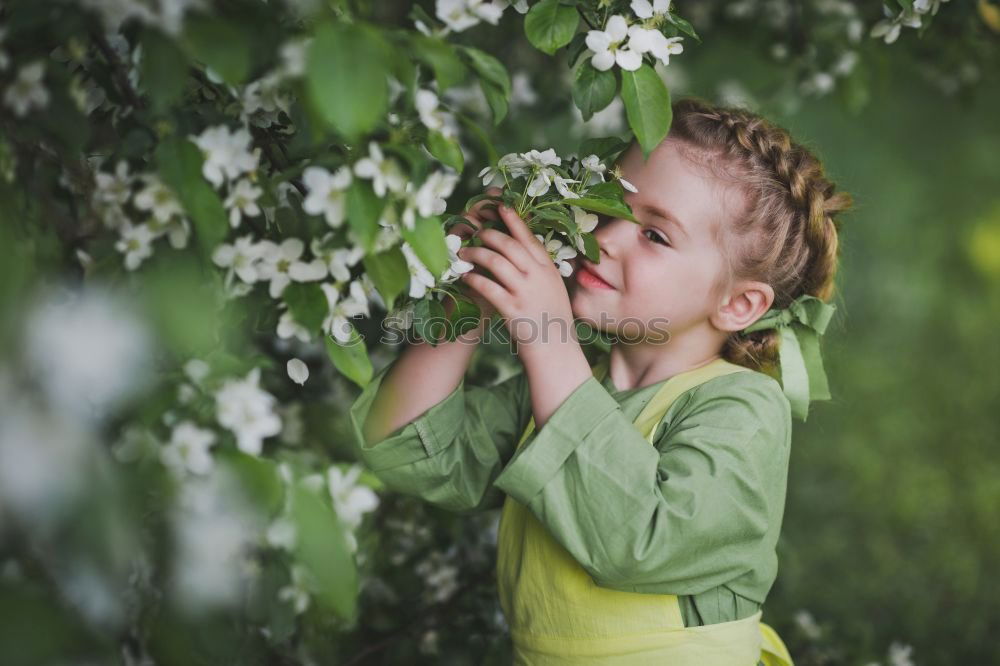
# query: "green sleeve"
x,y
701,509
450,454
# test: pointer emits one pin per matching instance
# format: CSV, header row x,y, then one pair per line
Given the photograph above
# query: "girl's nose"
x,y
611,235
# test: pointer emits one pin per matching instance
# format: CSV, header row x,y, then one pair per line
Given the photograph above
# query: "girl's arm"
x,y
424,433
450,454
420,378
424,374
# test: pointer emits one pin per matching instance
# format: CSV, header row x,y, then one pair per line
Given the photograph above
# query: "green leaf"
x,y
607,149
346,77
164,69
350,358
464,317
647,106
491,153
577,47
427,240
497,101
179,164
603,206
321,548
259,478
221,44
488,68
550,25
389,273
449,70
611,189
590,246
684,27
363,210
307,303
593,89
445,149
430,321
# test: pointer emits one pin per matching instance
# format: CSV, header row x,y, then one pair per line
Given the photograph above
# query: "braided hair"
x,y
786,234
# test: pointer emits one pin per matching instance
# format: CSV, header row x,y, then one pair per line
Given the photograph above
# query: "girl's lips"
x,y
587,278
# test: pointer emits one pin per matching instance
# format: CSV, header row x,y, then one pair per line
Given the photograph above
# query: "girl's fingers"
x,y
507,273
476,214
508,247
519,230
493,293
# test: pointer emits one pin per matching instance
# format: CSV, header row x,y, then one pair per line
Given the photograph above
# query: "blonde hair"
x,y
786,234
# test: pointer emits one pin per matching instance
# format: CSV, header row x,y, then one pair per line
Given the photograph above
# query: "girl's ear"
x,y
745,303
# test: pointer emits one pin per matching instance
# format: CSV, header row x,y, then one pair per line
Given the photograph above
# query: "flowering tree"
x,y
206,205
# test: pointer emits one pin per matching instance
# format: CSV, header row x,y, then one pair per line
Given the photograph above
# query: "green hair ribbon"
x,y
801,324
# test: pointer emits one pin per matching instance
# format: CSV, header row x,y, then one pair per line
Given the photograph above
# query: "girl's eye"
x,y
656,236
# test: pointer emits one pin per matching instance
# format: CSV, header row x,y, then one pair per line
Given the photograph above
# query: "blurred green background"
x,y
892,520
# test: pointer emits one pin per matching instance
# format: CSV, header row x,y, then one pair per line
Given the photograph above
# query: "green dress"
x,y
698,516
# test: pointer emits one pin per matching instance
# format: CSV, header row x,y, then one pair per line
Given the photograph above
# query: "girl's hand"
x,y
528,290
475,216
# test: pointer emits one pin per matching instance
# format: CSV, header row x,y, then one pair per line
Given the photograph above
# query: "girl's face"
x,y
659,272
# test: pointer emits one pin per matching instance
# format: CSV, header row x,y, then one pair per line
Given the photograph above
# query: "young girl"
x,y
642,496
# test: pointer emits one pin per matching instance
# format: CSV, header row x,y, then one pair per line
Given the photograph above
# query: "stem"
x,y
524,195
118,71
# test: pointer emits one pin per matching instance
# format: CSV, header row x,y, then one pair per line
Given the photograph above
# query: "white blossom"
x,y
177,230
27,90
540,159
432,116
562,186
281,534
608,46
337,323
559,254
521,91
113,189
384,172
400,318
807,623
240,258
136,243
458,265
288,327
585,221
351,499
327,193
87,351
227,153
242,200
420,277
644,40
247,411
900,654
189,449
430,198
293,57
363,290
657,10
157,198
297,592
213,530
280,265
298,371
461,14
338,260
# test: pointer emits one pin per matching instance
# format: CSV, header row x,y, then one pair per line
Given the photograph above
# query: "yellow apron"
x,y
559,616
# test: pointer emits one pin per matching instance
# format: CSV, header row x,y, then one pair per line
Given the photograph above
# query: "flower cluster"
x,y
560,198
623,43
914,16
